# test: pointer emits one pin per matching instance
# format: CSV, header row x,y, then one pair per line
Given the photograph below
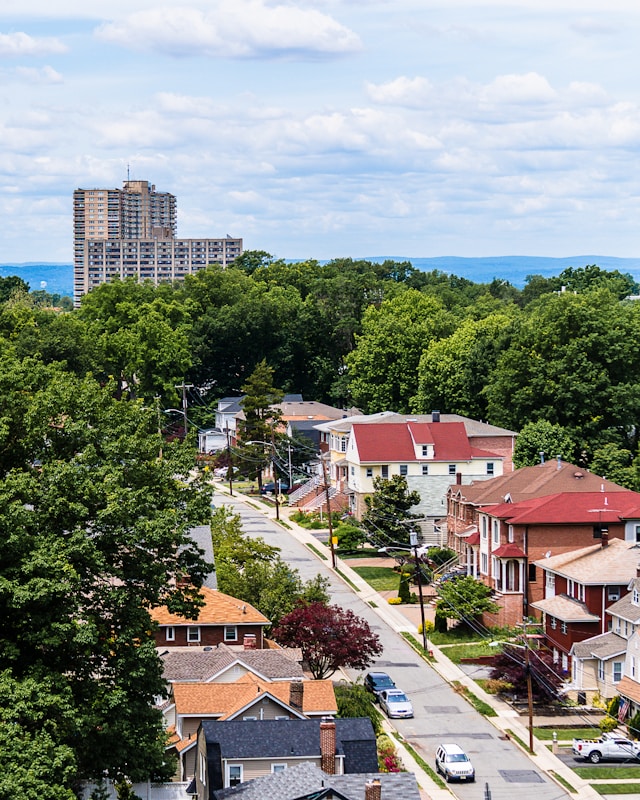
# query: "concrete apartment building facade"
x,y
131,233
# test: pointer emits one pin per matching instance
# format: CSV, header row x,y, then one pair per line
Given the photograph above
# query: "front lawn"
x,y
457,652
382,579
567,734
607,773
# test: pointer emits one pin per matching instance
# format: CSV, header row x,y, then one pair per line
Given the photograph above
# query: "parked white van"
x,y
454,764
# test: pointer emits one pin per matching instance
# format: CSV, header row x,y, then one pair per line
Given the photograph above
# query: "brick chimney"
x,y
328,746
373,790
249,641
296,694
605,537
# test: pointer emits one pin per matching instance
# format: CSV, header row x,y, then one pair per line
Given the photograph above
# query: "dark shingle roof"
x,y
306,779
199,664
296,738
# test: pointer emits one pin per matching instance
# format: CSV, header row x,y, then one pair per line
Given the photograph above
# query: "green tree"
x,y
387,514
614,463
355,701
465,599
453,371
93,534
384,365
257,431
543,437
251,570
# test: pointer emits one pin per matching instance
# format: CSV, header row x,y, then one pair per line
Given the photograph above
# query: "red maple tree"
x,y
330,637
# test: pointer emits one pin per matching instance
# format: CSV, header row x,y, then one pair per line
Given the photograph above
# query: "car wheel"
x,y
447,778
595,757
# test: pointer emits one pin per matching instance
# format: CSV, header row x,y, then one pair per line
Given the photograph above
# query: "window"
x,y
353,470
384,469
234,774
278,768
404,469
496,532
637,534
533,576
553,623
452,469
550,582
203,769
369,472
230,633
484,563
343,445
193,634
617,671
170,633
600,670
635,597
489,467
510,534
613,593
250,718
425,453
563,627
484,527
425,469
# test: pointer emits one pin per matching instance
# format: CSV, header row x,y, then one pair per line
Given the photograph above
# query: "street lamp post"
x,y
413,541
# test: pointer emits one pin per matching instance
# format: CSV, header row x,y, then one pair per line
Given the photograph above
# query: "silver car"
x,y
395,703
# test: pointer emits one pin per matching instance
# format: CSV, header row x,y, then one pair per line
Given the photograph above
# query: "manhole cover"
x,y
521,776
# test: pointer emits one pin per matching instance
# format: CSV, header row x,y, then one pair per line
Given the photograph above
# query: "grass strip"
x,y
562,781
516,738
567,734
285,524
344,578
421,762
480,706
417,646
607,773
317,552
617,788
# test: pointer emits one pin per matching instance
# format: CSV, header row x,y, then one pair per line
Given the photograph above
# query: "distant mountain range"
x,y
58,278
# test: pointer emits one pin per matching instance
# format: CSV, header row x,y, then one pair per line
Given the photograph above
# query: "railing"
x,y
304,490
319,500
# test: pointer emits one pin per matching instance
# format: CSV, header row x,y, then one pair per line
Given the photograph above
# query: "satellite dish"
x,y
43,284
547,554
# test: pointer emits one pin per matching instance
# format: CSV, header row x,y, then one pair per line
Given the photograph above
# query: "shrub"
x,y
388,759
404,592
350,537
608,724
440,623
428,627
394,601
612,706
634,726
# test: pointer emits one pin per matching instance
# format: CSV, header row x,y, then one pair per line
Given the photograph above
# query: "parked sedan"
x,y
376,682
395,703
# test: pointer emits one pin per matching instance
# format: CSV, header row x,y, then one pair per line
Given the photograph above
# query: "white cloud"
x,y
518,89
38,75
403,91
233,29
18,44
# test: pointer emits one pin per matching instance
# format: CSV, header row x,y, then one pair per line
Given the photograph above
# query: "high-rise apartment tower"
x,y
131,232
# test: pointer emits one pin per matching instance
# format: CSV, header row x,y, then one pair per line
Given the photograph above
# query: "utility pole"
x,y
527,667
184,386
229,462
413,540
157,398
326,495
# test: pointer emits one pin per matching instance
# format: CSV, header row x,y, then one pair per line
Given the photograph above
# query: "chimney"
x,y
458,479
605,536
328,746
435,416
373,790
296,694
249,641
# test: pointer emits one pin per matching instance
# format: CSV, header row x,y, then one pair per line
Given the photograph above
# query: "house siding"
x,y
210,635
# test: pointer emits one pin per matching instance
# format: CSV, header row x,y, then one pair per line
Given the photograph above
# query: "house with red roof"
x,y
350,473
222,619
511,537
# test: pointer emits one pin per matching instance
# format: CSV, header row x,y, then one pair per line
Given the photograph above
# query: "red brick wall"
x,y
210,636
501,445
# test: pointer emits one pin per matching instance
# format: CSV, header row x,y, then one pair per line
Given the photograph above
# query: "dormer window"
x,y
636,597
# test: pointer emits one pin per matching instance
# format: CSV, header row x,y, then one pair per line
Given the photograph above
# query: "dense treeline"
x,y
557,358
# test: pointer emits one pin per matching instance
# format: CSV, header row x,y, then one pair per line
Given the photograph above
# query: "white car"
x,y
395,703
454,764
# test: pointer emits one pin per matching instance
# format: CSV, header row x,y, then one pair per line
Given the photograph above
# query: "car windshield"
x,y
457,757
397,698
382,680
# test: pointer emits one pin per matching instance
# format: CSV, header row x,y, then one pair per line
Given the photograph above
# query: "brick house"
x,y
511,537
221,619
579,588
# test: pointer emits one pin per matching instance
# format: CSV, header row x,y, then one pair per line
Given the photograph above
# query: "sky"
x,y
329,128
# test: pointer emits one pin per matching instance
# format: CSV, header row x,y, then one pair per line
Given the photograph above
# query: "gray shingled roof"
x,y
604,646
625,608
295,738
201,664
306,778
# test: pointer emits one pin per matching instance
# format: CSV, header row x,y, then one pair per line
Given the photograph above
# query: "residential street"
x,y
440,713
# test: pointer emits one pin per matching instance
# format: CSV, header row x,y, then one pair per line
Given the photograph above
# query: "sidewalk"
x,y
402,620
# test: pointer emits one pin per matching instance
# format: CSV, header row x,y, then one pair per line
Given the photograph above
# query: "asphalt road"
x,y
440,714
